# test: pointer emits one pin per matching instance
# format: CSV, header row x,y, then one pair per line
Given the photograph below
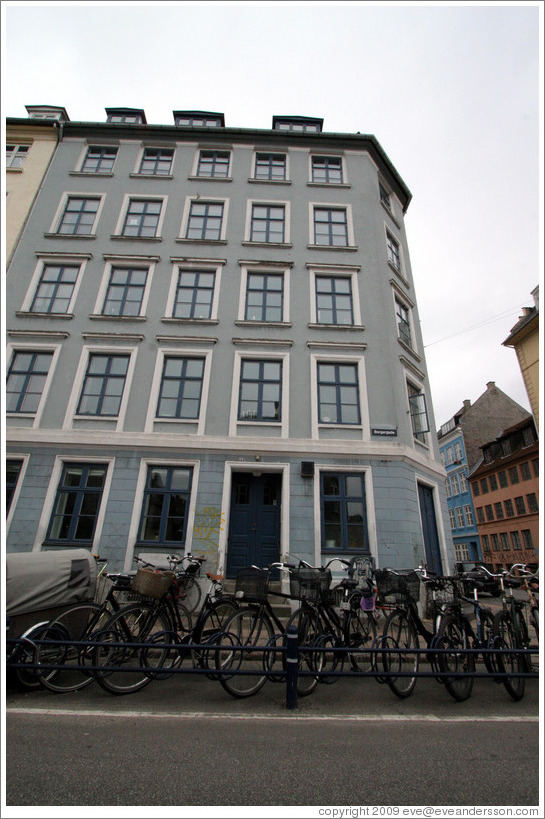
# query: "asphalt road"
x,y
185,742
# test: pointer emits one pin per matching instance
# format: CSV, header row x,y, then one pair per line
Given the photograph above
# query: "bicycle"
x,y
530,584
331,618
241,671
511,632
404,627
459,643
187,589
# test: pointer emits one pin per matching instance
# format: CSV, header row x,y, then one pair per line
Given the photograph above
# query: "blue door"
x,y
254,521
429,529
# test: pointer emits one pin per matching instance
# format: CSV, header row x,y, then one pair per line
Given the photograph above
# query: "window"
x,y
165,506
157,161
264,297
338,394
103,385
16,155
79,216
480,514
454,484
394,256
303,124
344,512
460,517
502,478
127,117
13,470
385,196
535,464
419,412
514,474
447,488
260,395
181,388
26,379
476,489
214,164
99,160
525,471
489,512
142,218
463,481
520,506
505,543
334,300
403,323
493,482
486,544
452,518
330,227
125,291
268,223
194,294
515,539
469,515
495,543
529,436
484,486
199,119
205,221
270,166
498,509
327,169
77,504
461,552
527,539
55,288
531,500
509,509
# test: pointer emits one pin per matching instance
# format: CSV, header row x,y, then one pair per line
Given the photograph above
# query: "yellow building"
x,y
30,145
524,337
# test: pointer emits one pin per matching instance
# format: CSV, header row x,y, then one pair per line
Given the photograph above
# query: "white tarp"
x,y
42,580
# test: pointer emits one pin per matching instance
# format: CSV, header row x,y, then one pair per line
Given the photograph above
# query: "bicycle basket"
x,y
150,583
310,584
251,585
402,584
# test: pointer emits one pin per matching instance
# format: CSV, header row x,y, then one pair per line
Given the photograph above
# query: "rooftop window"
x,y
203,119
129,116
309,124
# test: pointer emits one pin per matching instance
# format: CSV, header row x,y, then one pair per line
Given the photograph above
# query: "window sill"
x,y
120,238
80,236
283,245
352,248
210,178
409,349
329,185
391,215
201,241
151,176
255,180
356,327
14,170
398,273
334,425
101,317
90,173
31,314
175,320
249,323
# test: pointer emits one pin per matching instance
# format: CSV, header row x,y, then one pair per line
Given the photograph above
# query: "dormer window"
x,y
127,116
52,112
199,119
306,124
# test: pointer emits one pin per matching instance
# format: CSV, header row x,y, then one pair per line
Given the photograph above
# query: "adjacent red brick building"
x,y
505,488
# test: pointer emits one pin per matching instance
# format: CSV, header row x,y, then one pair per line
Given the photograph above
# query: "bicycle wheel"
x,y
454,635
360,632
400,639
207,630
122,668
27,679
487,639
243,671
189,593
78,624
308,632
506,637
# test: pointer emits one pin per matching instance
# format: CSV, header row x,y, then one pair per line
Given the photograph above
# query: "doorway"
x,y
254,521
429,528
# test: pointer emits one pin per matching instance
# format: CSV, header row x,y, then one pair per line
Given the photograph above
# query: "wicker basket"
x,y
401,584
150,583
251,585
310,584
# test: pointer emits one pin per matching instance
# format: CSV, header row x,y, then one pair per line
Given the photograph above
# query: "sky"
x,y
451,91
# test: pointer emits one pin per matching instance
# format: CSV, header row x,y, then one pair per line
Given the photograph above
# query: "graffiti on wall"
x,y
209,522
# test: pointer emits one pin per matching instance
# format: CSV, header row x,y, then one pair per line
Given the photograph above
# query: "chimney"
x,y
467,403
490,385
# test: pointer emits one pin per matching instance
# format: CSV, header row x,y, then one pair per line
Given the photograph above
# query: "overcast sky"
x,y
452,93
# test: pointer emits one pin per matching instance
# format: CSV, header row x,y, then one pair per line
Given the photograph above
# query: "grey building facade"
x,y
213,345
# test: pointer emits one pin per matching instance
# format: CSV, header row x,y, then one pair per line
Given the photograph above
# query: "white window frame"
x,y
254,178
401,298
13,154
273,203
25,458
71,415
468,512
179,352
204,199
328,155
118,233
328,358
210,265
460,520
56,472
196,159
45,259
351,273
346,206
83,156
145,463
62,207
259,268
399,271
367,473
124,261
150,147
283,424
418,386
55,349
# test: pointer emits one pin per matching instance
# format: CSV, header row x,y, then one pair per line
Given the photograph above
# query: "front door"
x,y
429,529
254,521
